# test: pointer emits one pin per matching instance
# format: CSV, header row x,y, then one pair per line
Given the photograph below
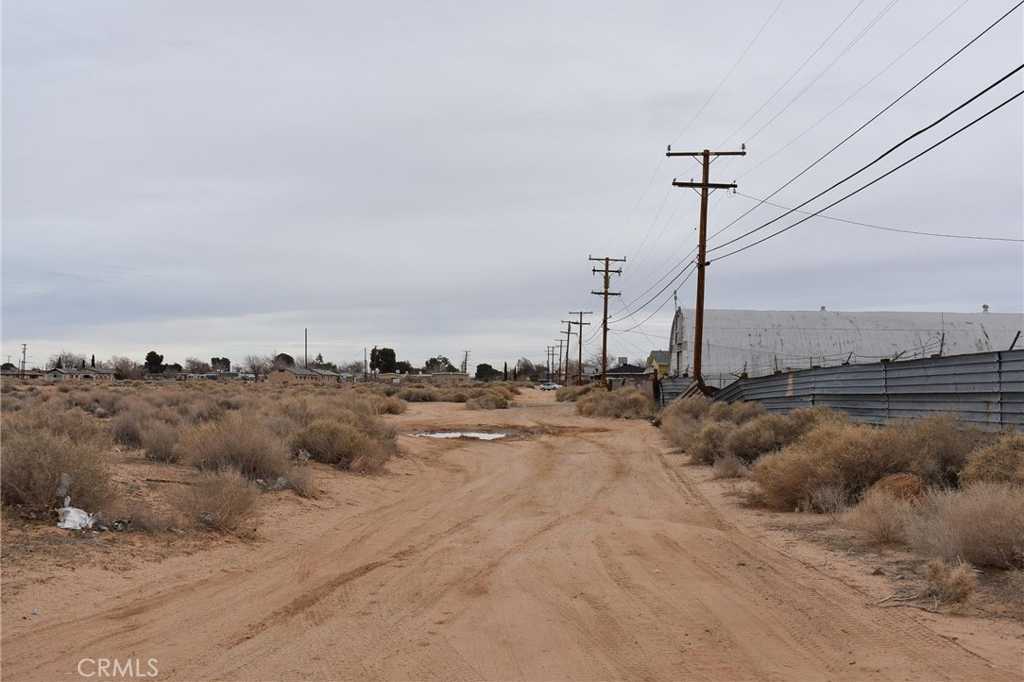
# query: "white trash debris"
x,y
478,435
73,518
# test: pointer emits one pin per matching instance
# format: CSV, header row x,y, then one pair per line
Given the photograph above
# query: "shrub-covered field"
x,y
945,489
238,439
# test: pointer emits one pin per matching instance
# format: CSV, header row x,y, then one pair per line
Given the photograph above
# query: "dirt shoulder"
x,y
579,549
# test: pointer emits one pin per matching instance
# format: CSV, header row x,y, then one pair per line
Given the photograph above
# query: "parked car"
x,y
549,386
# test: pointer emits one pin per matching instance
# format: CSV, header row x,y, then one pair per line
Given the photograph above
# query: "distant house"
x,y
626,375
80,374
659,361
284,374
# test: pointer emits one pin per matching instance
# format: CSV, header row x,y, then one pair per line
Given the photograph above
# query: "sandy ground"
x,y
580,549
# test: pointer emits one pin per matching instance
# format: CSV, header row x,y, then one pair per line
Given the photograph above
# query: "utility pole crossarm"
x,y
702,185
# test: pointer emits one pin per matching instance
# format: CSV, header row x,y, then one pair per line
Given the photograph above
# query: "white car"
x,y
549,387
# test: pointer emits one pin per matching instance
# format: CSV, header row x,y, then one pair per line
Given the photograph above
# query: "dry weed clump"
x,y
419,395
709,444
490,400
223,499
982,524
626,403
950,583
333,442
832,454
40,447
237,441
934,448
570,394
390,405
881,516
737,413
729,466
1000,462
159,440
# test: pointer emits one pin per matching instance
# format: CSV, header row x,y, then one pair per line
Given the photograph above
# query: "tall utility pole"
x,y
704,186
548,362
305,352
24,349
568,338
581,324
465,362
607,272
559,372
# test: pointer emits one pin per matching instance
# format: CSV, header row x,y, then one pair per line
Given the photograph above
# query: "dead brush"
x,y
333,442
1000,462
159,440
950,583
39,447
935,448
490,400
881,516
238,441
710,442
626,403
222,500
729,466
982,524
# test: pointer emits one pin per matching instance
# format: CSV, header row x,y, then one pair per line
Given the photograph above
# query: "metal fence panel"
x,y
981,388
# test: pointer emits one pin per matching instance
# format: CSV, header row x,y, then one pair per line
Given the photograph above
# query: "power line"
x,y
882,227
879,178
881,112
793,75
881,156
729,73
648,318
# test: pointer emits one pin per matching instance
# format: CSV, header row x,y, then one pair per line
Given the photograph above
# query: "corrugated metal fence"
x,y
983,388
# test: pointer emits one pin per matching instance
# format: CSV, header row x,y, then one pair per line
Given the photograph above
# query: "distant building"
x,y
80,374
760,342
659,361
300,375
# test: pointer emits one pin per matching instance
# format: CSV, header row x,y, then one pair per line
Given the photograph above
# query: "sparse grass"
x,y
626,403
1000,462
950,583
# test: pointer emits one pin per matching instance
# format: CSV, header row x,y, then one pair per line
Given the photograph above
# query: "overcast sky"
x,y
208,178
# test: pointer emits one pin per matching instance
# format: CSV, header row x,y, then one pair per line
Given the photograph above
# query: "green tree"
x,y
154,362
383,360
439,364
484,372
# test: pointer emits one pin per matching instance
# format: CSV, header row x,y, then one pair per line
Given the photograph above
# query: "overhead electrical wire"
x,y
878,179
658,310
877,159
793,75
880,112
884,228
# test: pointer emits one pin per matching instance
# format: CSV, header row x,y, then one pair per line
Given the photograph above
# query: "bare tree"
x,y
197,366
258,365
125,368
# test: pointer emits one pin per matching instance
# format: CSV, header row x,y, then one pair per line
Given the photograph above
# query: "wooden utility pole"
x,y
704,186
581,324
568,338
24,349
607,272
548,361
305,347
558,373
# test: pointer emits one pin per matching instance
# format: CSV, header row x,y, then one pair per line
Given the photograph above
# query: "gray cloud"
x,y
209,179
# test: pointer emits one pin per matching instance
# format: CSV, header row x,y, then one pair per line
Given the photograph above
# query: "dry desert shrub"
x,y
900,486
729,466
569,394
222,499
982,524
490,400
881,516
237,441
950,583
680,429
694,408
390,405
831,454
301,480
626,403
159,440
332,442
709,444
1000,462
737,413
127,427
38,448
934,448
418,395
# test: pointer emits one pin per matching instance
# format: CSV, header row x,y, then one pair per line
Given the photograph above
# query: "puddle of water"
x,y
477,435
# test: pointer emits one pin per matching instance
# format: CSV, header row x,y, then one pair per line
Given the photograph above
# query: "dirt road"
x,y
571,552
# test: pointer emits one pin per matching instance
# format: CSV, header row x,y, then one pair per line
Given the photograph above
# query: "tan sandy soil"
x,y
580,550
